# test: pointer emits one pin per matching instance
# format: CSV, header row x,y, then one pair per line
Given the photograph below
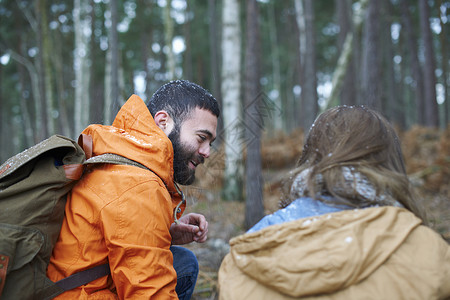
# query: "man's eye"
x,y
202,138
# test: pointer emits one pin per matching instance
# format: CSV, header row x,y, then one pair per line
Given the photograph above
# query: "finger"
x,y
201,239
202,223
202,232
191,228
204,226
186,228
195,229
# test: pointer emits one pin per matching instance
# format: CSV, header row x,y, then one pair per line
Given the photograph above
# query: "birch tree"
x,y
81,64
231,100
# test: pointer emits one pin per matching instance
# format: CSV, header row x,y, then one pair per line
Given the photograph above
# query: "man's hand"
x,y
192,227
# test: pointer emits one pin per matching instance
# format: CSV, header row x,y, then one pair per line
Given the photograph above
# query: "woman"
x,y
351,227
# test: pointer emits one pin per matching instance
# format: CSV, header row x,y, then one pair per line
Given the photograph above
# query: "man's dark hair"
x,y
179,98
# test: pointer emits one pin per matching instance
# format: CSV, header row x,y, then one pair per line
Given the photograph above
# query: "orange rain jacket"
x,y
122,214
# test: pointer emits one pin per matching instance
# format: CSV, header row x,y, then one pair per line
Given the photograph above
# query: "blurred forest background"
x,y
273,65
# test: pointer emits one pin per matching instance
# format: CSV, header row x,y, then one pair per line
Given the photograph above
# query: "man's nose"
x,y
205,150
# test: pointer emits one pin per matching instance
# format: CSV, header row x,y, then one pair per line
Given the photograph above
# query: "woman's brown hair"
x,y
363,140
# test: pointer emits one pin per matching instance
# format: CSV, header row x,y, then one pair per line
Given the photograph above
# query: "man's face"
x,y
192,144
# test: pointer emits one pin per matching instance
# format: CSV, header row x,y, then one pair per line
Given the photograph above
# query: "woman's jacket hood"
x,y
320,255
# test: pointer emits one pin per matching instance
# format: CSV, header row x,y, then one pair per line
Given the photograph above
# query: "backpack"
x,y
33,189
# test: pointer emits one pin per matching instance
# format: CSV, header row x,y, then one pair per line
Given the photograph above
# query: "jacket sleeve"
x,y
136,230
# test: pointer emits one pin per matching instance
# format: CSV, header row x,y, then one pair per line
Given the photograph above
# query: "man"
x,y
127,216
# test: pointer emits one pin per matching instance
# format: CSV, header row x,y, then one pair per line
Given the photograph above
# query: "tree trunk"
x,y
168,34
345,68
64,122
414,62
231,101
5,134
114,62
187,56
3,123
300,20
254,209
407,97
96,97
81,67
35,91
445,75
309,94
370,72
41,112
393,103
25,115
25,112
277,121
429,67
107,108
295,111
145,54
344,13
213,43
47,69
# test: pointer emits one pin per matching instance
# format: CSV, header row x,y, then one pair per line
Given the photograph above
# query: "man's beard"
x,y
182,155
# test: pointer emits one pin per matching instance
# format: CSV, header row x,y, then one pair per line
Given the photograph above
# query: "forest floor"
x,y
427,156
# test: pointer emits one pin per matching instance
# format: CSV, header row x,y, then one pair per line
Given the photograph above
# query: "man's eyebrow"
x,y
208,133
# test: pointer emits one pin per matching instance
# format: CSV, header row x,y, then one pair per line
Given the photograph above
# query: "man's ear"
x,y
164,121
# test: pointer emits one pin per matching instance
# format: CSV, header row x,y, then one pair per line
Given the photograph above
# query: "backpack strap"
x,y
75,171
83,277
111,158
73,281
86,143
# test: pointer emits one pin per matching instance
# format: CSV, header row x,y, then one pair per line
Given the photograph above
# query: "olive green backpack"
x,y
33,188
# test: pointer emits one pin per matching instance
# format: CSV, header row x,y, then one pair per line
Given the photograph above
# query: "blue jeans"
x,y
186,265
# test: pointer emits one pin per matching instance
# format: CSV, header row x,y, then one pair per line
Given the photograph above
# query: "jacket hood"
x,y
322,254
135,135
